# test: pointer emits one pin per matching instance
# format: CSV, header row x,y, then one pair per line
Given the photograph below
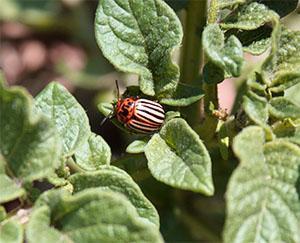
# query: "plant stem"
x,y
209,126
191,59
211,91
213,12
191,55
73,166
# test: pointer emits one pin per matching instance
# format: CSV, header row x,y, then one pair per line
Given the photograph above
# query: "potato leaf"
x,y
29,145
262,196
66,114
177,157
138,37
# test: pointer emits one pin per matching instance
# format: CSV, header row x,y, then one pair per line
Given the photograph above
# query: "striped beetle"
x,y
139,115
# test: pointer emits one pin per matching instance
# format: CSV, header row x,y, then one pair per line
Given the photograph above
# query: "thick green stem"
x,y
209,126
191,59
211,91
213,10
191,55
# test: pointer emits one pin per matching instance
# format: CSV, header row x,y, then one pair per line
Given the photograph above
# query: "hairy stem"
x,y
191,59
209,126
211,91
213,10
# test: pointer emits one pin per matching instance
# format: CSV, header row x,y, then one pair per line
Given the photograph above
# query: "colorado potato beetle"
x,y
138,114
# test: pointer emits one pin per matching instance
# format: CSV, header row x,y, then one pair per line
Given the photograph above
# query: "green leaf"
x,y
255,84
255,41
9,189
11,232
138,37
252,138
52,198
91,215
184,95
67,114
136,147
286,77
257,47
2,165
229,3
114,179
281,107
56,181
256,107
2,213
105,108
213,74
93,153
250,24
249,17
293,94
282,65
288,130
262,196
39,229
171,115
177,157
28,142
223,139
227,56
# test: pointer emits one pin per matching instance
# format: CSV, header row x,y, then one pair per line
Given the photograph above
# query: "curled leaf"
x,y
138,37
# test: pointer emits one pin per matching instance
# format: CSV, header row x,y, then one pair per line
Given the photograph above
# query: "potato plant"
x,y
86,196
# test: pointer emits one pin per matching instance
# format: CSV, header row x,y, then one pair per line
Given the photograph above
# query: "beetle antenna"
x,y
118,90
103,121
110,116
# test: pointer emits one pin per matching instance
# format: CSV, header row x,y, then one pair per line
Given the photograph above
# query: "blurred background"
x,y
47,40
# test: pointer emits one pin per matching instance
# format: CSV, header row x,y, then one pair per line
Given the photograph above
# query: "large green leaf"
x,y
28,142
138,37
9,189
93,153
11,232
66,113
177,157
114,179
91,215
262,196
228,55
